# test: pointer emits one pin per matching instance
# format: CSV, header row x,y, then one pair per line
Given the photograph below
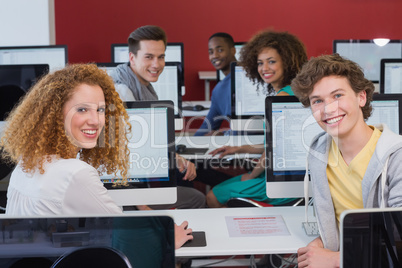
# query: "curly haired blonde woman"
x,y
68,113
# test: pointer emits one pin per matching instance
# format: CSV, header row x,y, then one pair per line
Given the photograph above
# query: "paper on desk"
x,y
256,226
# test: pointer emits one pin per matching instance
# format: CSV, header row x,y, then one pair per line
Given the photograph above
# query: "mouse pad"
x,y
195,150
198,240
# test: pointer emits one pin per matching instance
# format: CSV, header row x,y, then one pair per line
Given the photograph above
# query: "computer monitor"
x,y
151,177
238,46
142,239
248,102
168,86
371,238
290,129
54,55
368,55
24,76
15,81
391,76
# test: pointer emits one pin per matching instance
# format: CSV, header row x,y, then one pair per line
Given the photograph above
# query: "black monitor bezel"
x,y
43,67
382,72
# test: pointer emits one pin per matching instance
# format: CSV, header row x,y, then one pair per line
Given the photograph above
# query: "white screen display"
x,y
54,56
249,101
148,144
393,77
167,86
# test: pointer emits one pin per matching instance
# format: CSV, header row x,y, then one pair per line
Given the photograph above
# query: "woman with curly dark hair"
x,y
72,112
272,59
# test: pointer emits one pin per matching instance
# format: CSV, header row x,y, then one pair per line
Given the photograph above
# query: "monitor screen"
x,y
238,46
248,102
49,237
290,129
54,56
391,76
371,238
15,81
152,156
168,86
368,55
24,76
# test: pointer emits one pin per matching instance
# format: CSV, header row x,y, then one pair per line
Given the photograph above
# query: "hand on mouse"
x,y
182,234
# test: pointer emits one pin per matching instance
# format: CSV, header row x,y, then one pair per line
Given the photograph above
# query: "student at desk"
x,y
272,60
222,52
352,165
147,46
56,136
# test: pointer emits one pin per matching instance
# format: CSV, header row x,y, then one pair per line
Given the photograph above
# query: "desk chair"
x,y
99,257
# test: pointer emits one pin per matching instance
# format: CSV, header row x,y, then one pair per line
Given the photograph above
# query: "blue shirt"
x,y
220,107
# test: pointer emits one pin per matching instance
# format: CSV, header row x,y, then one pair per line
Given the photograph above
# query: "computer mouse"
x,y
180,148
198,108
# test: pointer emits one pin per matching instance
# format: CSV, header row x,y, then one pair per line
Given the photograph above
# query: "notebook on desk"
x,y
371,238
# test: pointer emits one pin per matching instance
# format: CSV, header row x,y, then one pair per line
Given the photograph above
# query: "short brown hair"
x,y
147,32
327,65
289,47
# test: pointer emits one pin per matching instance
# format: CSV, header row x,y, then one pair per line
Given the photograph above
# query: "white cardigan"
x,y
68,187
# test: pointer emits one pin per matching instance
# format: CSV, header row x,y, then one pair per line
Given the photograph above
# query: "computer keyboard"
x,y
311,228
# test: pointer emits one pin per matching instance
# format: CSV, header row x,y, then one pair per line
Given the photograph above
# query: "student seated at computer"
x,y
352,165
221,52
59,136
271,59
147,45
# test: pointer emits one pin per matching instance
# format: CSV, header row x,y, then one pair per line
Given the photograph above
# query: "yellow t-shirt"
x,y
345,182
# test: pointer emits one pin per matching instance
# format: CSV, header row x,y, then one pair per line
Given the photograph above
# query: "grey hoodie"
x,y
389,148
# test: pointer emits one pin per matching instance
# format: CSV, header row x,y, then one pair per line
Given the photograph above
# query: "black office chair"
x,y
88,257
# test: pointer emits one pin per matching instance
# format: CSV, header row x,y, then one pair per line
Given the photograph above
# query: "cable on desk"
x,y
216,262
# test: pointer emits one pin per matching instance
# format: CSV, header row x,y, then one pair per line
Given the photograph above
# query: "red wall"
x,y
89,27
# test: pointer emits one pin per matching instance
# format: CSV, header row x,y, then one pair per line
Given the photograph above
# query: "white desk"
x,y
213,142
219,243
207,76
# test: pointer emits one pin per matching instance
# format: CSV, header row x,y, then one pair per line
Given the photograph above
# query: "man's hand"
x,y
187,167
182,234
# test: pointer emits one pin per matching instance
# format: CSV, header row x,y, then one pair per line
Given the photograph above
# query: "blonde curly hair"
x,y
35,127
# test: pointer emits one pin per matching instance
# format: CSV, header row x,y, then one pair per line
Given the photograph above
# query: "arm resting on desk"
x,y
315,255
